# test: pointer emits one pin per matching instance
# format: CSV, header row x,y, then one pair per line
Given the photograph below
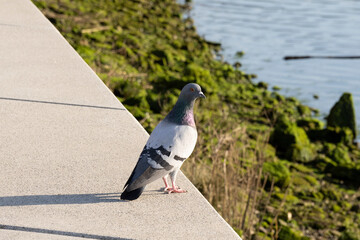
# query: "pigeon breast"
x,y
170,144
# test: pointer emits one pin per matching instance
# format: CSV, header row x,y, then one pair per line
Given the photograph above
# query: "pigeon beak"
x,y
202,95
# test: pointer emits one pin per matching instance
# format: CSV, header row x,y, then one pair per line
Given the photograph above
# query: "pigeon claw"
x,y
175,190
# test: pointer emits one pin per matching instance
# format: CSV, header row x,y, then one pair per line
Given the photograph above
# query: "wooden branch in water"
x,y
329,57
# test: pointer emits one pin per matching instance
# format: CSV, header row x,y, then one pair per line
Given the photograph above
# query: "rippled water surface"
x,y
269,30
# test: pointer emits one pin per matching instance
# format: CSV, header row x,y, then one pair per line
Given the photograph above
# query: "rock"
x,y
300,153
338,153
263,85
335,159
291,141
278,172
342,114
237,65
304,110
239,54
276,88
310,124
322,162
346,173
332,135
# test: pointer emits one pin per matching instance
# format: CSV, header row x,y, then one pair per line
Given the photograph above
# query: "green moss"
x,y
276,88
304,110
336,208
287,133
301,168
288,198
331,193
291,141
278,172
287,233
312,180
340,165
310,123
332,134
263,85
340,155
301,153
348,235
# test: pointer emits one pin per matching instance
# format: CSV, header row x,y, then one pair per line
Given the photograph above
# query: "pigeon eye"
x,y
191,89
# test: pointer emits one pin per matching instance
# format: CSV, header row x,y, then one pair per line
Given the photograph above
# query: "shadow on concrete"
x,y
28,200
60,103
56,232
59,199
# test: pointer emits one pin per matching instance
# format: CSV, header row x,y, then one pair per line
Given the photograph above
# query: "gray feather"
x,y
148,176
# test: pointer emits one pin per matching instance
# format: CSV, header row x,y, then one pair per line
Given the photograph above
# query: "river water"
x,y
268,30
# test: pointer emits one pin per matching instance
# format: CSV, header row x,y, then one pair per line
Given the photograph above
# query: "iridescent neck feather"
x,y
182,113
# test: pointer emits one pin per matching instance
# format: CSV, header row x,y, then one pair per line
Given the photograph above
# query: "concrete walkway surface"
x,y
67,146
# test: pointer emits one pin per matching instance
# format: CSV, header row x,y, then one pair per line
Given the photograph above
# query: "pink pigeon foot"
x,y
176,190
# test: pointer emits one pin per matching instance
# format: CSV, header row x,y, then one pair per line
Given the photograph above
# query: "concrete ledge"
x,y
67,146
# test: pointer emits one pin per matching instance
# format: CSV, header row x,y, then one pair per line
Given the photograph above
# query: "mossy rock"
x,y
291,141
348,174
341,166
303,110
300,153
287,133
291,199
321,162
278,172
262,85
337,153
288,233
332,135
342,114
304,180
310,124
301,168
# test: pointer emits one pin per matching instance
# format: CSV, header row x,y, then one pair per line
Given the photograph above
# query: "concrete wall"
x,y
67,146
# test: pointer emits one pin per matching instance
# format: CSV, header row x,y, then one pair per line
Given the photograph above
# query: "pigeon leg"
x,y
175,189
166,184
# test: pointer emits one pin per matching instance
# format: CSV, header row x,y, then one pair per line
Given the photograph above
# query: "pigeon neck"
x,y
182,113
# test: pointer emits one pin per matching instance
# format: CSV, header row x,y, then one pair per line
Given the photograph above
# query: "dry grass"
x,y
227,169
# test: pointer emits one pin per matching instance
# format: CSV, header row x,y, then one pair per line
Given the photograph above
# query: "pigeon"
x,y
169,145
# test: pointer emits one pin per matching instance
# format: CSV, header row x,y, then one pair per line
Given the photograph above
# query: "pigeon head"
x,y
190,92
183,111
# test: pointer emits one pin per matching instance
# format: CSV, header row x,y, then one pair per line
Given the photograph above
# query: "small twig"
x,y
277,215
328,57
95,29
247,204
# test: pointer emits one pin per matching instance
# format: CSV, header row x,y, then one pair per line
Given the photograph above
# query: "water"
x,y
269,30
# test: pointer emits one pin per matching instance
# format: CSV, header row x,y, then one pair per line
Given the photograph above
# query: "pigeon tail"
x,y
132,195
